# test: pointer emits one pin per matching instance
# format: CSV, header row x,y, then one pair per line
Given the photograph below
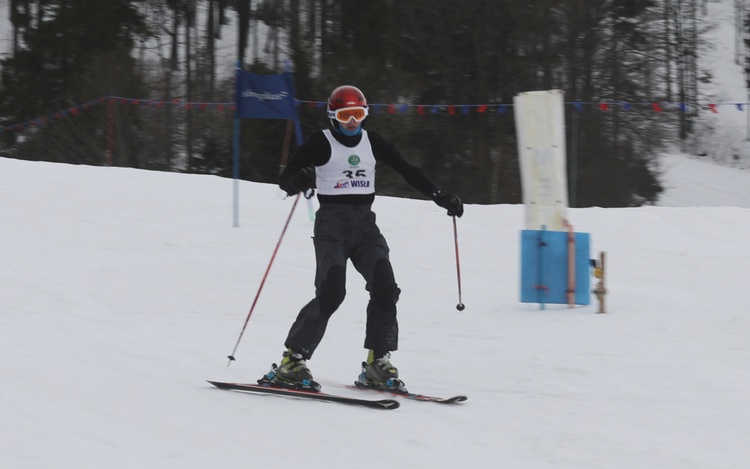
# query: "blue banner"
x,y
265,96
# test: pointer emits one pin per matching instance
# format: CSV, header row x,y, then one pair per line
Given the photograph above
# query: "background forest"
x,y
170,61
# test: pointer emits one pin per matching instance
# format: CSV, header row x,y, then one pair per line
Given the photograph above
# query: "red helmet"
x,y
346,103
346,96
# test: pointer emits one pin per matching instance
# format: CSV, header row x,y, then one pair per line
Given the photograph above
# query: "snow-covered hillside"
x,y
723,136
123,290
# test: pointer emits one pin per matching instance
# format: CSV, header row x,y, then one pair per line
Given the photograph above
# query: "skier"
x,y
340,162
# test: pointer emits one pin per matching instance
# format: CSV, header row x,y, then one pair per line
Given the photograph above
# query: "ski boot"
x,y
293,373
379,373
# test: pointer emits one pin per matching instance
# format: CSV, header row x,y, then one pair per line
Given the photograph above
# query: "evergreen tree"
x,y
71,51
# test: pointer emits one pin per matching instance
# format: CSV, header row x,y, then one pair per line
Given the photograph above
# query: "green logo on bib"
x,y
354,160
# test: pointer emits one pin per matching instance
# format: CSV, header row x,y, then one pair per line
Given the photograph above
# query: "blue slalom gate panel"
x,y
544,267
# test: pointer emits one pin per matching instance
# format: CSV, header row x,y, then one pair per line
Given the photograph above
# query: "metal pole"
x,y
110,131
236,149
460,306
268,269
236,174
573,177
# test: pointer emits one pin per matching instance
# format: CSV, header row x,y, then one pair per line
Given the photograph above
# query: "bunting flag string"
x,y
175,102
580,106
74,111
392,108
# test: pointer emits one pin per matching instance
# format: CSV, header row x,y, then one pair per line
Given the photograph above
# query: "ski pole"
x,y
257,295
460,306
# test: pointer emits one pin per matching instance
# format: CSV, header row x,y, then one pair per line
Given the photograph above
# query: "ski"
x,y
386,404
410,395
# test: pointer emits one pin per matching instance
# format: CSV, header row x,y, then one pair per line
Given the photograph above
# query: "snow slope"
x,y
723,136
691,182
123,290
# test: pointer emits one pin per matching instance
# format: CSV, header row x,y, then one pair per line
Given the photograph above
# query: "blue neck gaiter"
x,y
349,133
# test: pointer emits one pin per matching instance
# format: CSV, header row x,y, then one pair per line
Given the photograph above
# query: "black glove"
x,y
300,182
449,202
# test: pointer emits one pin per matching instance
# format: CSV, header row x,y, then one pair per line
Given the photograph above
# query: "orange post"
x,y
571,292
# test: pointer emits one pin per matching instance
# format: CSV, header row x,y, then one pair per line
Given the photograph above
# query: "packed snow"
x,y
124,290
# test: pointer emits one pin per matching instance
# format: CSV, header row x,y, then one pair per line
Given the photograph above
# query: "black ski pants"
x,y
342,233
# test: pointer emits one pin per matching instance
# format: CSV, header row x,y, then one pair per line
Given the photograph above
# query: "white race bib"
x,y
350,170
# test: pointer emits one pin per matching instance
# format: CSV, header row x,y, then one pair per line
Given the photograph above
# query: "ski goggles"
x,y
345,114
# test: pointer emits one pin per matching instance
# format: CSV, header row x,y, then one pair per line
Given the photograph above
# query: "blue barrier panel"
x,y
544,267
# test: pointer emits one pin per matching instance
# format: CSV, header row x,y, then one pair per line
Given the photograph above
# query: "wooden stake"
x,y
601,290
